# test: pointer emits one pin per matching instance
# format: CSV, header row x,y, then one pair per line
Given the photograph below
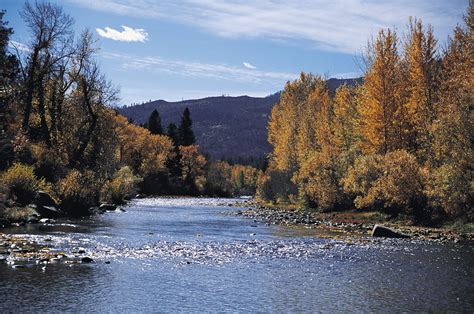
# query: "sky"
x,y
188,49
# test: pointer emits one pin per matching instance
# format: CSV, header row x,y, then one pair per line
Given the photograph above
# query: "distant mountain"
x,y
334,83
225,127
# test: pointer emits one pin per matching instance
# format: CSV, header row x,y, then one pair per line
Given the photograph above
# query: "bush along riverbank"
x,y
25,199
355,223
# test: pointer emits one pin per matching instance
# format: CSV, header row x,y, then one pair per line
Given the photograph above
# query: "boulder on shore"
x,y
46,211
384,232
44,199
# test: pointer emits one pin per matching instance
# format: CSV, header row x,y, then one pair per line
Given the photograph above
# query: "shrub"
x,y
452,189
21,148
394,181
78,192
122,187
360,178
16,214
218,179
276,184
244,179
318,186
3,194
49,163
6,152
22,183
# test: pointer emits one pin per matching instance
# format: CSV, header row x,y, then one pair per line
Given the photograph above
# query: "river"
x,y
191,255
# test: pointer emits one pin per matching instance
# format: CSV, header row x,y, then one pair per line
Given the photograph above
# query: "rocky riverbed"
x,y
20,251
340,224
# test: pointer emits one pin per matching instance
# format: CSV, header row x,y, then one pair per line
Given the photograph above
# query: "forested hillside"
x,y
225,127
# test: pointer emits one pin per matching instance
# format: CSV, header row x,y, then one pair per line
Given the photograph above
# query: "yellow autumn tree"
x,y
285,121
137,147
422,85
452,185
192,168
316,177
381,110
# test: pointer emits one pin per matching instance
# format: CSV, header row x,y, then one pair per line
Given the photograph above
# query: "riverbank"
x,y
352,223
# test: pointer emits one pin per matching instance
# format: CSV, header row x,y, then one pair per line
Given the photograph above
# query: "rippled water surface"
x,y
188,255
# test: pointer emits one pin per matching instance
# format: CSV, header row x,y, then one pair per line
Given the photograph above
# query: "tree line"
x,y
401,141
60,133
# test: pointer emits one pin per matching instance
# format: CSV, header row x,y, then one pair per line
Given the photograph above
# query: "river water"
x,y
190,255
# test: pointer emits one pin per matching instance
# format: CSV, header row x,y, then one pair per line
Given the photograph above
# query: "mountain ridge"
x,y
226,127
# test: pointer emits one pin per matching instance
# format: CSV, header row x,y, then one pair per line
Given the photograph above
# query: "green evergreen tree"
x,y
186,134
173,164
172,132
154,123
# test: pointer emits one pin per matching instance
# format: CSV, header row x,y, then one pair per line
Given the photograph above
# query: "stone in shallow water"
x,y
107,207
86,260
46,220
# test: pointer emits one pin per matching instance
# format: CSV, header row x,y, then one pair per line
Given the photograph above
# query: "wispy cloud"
x,y
201,70
128,34
249,66
18,46
337,25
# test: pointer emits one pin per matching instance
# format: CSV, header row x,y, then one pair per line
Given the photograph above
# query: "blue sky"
x,y
184,49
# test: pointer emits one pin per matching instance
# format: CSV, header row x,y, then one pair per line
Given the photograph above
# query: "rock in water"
x,y
46,220
384,232
107,207
87,260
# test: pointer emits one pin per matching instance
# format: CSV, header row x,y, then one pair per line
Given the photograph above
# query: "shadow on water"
x,y
56,288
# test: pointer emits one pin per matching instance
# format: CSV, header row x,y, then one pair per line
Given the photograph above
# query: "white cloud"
x,y
202,70
249,66
337,25
128,34
18,46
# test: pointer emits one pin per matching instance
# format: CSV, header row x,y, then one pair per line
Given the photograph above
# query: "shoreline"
x,y
348,223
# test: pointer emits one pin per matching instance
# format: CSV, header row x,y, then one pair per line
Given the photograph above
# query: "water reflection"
x,y
184,255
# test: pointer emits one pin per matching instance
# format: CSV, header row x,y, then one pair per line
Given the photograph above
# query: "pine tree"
x,y
172,132
173,163
154,123
186,134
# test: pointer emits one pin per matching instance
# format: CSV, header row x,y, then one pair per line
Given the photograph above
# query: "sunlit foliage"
x,y
400,142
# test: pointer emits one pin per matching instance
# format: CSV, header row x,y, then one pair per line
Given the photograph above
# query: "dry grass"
x,y
15,214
